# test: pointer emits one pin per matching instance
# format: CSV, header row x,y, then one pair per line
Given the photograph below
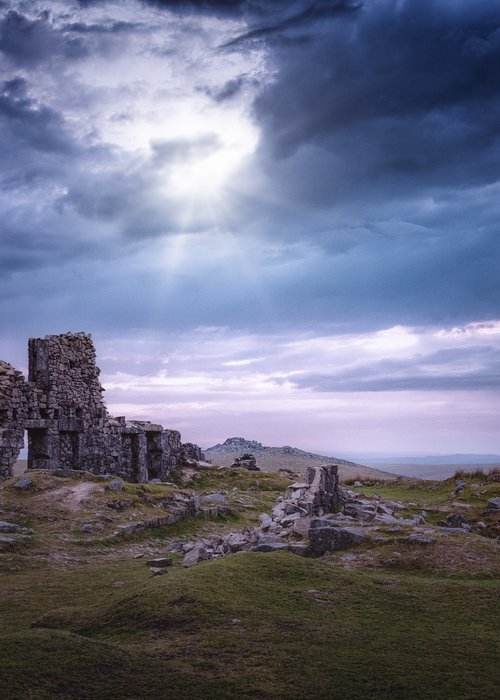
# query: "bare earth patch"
x,y
69,497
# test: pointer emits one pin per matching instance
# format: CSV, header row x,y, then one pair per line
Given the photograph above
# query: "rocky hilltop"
x,y
286,457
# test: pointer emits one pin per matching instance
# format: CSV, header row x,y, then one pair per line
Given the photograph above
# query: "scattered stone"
x,y
415,539
301,526
236,542
299,548
119,504
130,528
9,527
23,484
265,521
138,556
87,528
357,484
198,553
116,485
493,504
290,519
455,520
269,547
216,499
9,541
160,562
157,571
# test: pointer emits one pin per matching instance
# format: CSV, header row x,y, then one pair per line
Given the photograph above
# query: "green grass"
x,y
87,621
307,629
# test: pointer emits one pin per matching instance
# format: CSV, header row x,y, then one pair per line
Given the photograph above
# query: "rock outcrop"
x,y
246,461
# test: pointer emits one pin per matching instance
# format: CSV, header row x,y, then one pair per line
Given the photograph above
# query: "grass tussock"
x,y
480,474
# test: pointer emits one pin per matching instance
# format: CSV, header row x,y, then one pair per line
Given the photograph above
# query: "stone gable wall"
x,y
63,411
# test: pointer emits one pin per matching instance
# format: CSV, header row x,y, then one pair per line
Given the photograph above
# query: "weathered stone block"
x,y
329,539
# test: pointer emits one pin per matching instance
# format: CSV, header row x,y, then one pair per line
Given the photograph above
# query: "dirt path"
x,y
70,497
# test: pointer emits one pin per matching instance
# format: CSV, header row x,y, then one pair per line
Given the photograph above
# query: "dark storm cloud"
x,y
229,7
393,90
366,204
30,124
446,370
311,12
29,42
108,28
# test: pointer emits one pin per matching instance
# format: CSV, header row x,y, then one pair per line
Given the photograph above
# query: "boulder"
x,y
455,520
23,484
115,485
493,504
236,542
214,499
330,539
195,555
360,510
246,461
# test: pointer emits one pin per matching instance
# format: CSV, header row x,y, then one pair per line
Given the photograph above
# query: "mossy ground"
x,y
95,624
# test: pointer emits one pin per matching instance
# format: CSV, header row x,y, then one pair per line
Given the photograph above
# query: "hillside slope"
x,y
286,457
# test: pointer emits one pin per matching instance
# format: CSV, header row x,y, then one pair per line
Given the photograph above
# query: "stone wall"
x,y
62,409
13,412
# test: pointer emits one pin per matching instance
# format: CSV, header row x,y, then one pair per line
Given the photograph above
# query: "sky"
x,y
277,219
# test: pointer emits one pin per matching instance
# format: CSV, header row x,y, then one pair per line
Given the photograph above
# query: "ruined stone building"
x,y
68,426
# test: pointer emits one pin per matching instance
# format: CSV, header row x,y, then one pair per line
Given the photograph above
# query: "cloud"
x,y
31,42
370,199
306,15
392,92
30,123
445,370
229,7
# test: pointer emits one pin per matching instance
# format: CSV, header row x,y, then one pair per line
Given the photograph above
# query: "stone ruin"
x,y
61,408
294,516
